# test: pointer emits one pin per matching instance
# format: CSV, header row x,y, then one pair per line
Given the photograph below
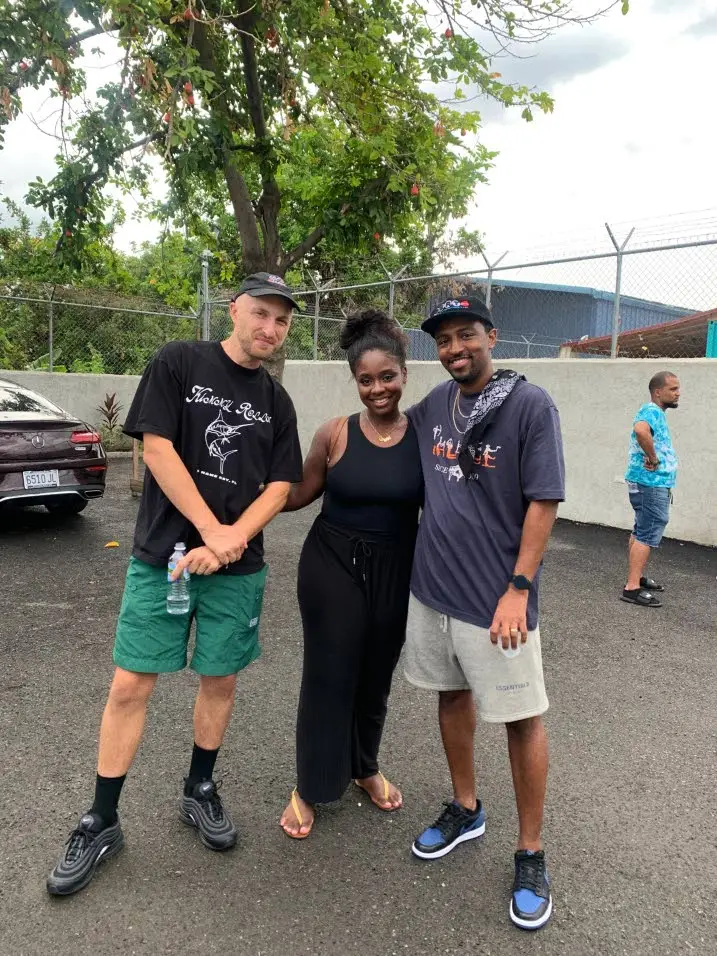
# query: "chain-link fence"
x,y
84,330
652,301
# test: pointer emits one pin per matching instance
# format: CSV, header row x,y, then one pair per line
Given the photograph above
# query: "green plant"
x,y
94,365
114,439
42,363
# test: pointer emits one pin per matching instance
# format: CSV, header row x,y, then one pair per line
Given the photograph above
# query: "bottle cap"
x,y
180,546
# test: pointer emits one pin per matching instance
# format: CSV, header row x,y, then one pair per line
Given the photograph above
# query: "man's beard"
x,y
255,352
471,374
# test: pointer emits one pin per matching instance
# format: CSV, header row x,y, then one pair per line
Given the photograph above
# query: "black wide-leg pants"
x,y
353,594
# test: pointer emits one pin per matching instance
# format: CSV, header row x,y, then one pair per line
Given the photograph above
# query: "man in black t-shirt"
x,y
221,450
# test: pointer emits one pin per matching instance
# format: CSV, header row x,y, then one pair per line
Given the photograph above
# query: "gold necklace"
x,y
384,438
453,414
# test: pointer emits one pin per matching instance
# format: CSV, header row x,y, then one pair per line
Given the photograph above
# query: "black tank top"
x,y
375,490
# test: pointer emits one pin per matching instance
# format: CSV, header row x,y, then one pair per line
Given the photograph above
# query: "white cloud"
x,y
704,27
630,140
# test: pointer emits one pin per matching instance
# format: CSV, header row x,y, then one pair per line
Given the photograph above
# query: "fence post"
x,y
491,267
618,284
317,305
51,333
392,288
206,305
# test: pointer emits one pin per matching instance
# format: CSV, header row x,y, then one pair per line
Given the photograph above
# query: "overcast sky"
x,y
633,140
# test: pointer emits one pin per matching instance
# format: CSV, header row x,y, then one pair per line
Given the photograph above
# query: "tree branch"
x,y
138,144
245,24
252,256
88,34
304,247
269,205
33,71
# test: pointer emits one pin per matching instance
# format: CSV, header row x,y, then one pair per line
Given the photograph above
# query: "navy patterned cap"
x,y
466,306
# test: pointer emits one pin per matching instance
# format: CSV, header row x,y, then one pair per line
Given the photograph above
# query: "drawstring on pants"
x,y
364,553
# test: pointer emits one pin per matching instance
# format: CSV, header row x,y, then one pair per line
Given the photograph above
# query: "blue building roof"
x,y
532,318
584,290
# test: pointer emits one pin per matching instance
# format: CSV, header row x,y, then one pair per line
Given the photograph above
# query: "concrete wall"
x,y
597,399
78,394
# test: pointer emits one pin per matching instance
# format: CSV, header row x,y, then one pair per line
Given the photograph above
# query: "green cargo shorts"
x,y
225,607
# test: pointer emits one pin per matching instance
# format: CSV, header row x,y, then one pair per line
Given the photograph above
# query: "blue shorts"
x,y
652,512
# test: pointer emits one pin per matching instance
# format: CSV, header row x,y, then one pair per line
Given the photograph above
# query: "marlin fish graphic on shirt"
x,y
219,436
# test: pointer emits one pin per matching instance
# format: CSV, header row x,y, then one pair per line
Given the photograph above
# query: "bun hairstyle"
x,y
372,329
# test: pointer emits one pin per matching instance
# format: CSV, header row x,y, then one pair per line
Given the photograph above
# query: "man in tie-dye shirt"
x,y
651,475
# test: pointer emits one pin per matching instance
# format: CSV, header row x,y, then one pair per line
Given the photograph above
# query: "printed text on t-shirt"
x,y
203,395
444,448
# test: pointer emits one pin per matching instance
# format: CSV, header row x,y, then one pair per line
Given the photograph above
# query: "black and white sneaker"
x,y
531,904
87,846
203,809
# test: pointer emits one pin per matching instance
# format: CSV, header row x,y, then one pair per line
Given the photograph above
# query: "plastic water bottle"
x,y
177,591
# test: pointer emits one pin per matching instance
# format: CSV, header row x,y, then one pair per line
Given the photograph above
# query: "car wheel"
x,y
72,507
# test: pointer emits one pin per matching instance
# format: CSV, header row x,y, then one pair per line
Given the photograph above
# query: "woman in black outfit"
x,y
354,575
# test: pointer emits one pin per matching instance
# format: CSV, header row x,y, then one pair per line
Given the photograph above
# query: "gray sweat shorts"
x,y
443,653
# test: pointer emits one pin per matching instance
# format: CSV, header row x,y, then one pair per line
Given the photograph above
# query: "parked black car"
x,y
47,456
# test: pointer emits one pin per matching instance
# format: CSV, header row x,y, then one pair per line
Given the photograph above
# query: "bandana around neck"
x,y
485,409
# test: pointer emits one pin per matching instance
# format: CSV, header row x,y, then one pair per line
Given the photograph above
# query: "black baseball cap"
x,y
264,283
466,306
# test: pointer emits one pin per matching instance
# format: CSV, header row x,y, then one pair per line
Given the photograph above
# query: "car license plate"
x,y
41,479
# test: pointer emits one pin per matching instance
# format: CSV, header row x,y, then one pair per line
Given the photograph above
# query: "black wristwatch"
x,y
521,583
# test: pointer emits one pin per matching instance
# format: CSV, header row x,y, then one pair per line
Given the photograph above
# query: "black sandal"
x,y
640,596
651,585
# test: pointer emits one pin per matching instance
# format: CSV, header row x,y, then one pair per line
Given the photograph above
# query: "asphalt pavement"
x,y
630,821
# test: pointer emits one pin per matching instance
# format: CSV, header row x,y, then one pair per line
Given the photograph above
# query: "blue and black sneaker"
x,y
531,904
454,825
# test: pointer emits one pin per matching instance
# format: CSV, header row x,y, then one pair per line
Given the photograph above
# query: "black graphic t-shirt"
x,y
235,430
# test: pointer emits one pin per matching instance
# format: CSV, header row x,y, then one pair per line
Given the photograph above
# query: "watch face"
x,y
521,582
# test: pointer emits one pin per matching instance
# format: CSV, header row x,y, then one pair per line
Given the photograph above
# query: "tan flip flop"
x,y
386,789
299,817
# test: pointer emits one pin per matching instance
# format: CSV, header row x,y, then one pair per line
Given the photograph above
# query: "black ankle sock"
x,y
107,794
201,767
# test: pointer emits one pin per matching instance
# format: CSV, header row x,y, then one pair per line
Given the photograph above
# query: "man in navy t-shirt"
x,y
492,460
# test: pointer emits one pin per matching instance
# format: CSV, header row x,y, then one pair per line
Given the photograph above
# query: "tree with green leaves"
x,y
315,122
107,316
